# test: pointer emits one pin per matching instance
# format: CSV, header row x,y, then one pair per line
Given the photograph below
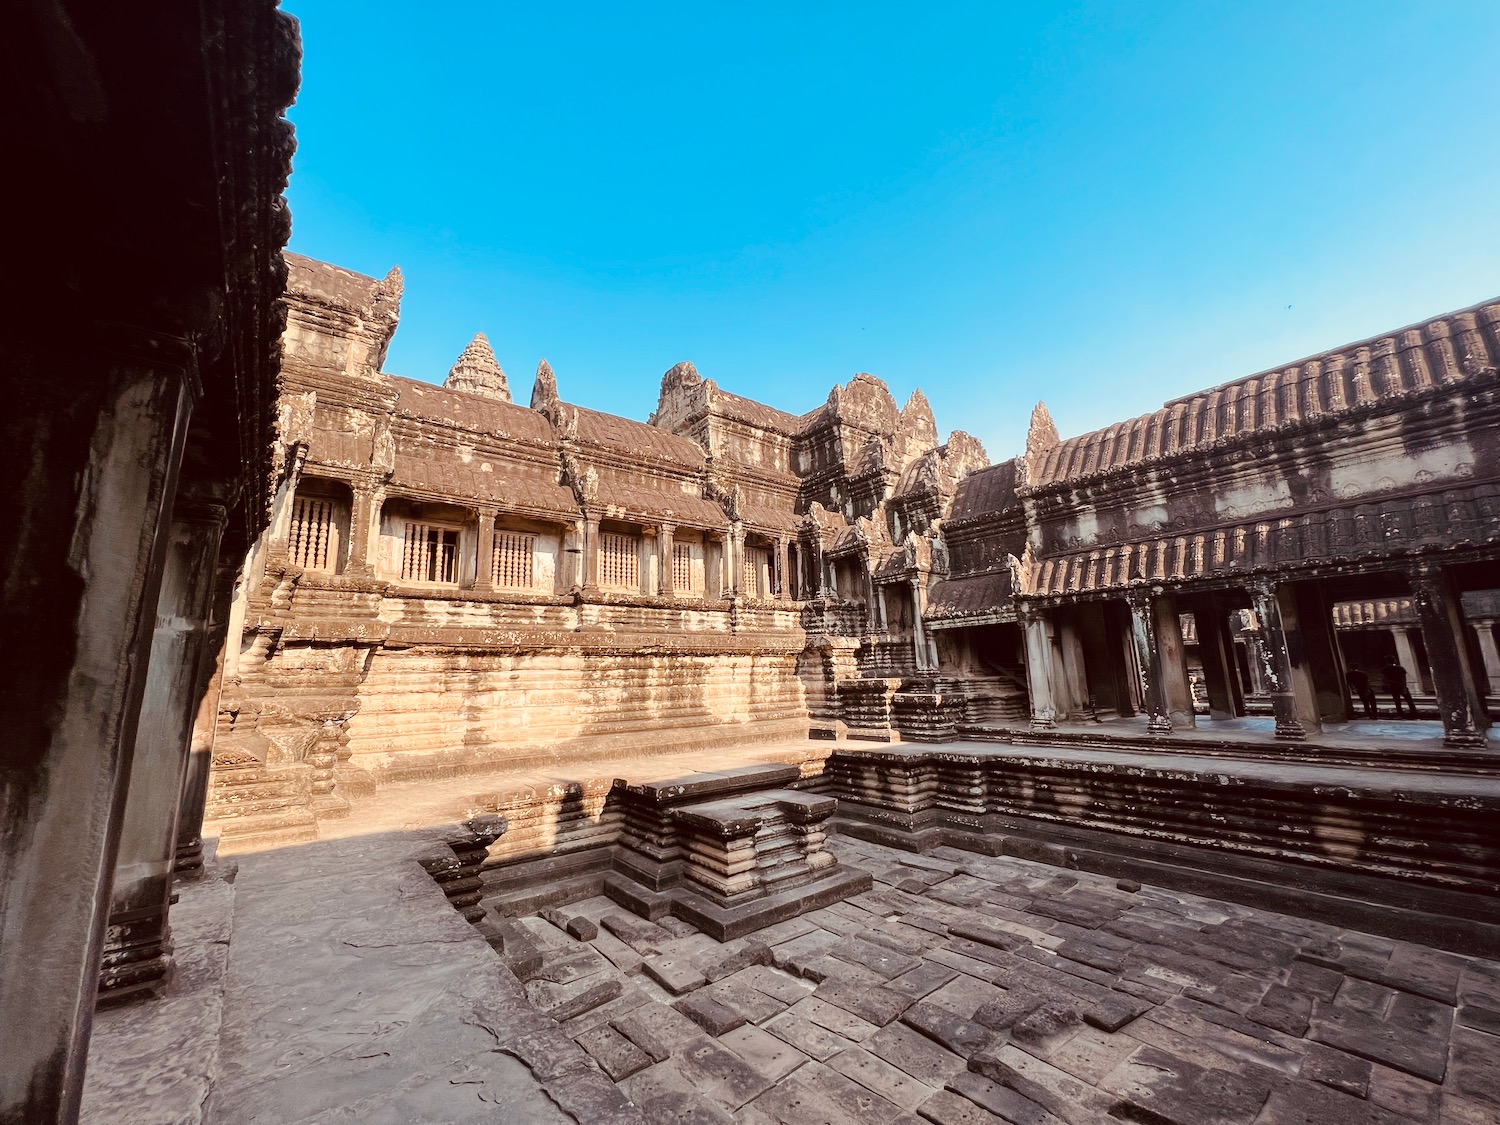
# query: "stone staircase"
x,y
255,806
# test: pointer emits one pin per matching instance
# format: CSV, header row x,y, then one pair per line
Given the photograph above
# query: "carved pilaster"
x,y
364,523
1148,659
1276,666
668,585
1459,696
484,570
1039,686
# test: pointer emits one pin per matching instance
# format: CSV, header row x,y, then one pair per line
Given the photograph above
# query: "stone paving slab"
x,y
1000,990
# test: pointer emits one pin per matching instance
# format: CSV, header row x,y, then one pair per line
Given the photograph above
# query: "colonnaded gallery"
x,y
397,750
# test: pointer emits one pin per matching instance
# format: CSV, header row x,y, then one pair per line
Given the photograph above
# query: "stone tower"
x,y
478,372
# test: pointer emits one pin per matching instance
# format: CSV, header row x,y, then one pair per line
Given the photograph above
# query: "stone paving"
x,y
964,990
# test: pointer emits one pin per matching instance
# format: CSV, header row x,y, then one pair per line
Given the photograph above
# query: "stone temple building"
x,y
797,767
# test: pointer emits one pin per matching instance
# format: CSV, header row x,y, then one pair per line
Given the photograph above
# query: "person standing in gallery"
x,y
1393,679
1359,685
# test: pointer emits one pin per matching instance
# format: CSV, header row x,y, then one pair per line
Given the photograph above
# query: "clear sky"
x,y
1101,206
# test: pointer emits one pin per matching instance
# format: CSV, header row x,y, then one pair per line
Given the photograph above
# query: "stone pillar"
x,y
1490,656
1406,656
1459,696
1148,661
286,492
137,945
735,559
1216,649
1275,661
668,586
570,565
1320,652
364,528
650,560
91,454
189,858
590,552
1074,697
1171,654
1039,670
778,561
924,658
484,561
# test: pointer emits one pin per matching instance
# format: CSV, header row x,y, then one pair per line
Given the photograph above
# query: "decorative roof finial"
x,y
478,372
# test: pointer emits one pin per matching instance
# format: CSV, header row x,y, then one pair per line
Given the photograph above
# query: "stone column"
x,y
1176,690
1440,615
137,946
484,562
918,630
1073,699
779,586
1490,655
570,565
1039,670
713,566
667,542
1216,648
364,528
1320,653
1406,655
194,797
734,559
1275,661
91,457
590,552
650,560
1148,660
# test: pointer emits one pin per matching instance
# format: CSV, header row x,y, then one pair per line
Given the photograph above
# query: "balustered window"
x,y
687,577
513,563
620,560
429,553
312,542
755,571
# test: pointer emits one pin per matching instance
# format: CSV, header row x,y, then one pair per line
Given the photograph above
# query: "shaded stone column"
x,y
1216,650
194,798
1320,653
570,566
1406,655
484,561
1276,662
668,586
1176,690
1073,699
779,582
1148,660
137,943
1489,655
1039,669
91,455
1440,615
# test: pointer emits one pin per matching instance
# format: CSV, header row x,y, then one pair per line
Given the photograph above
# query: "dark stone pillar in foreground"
x,y
1276,662
104,452
1440,614
1148,660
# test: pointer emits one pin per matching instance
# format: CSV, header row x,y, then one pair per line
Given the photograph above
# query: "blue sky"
x,y
1101,206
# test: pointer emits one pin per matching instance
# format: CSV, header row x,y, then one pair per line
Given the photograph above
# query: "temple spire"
x,y
478,372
